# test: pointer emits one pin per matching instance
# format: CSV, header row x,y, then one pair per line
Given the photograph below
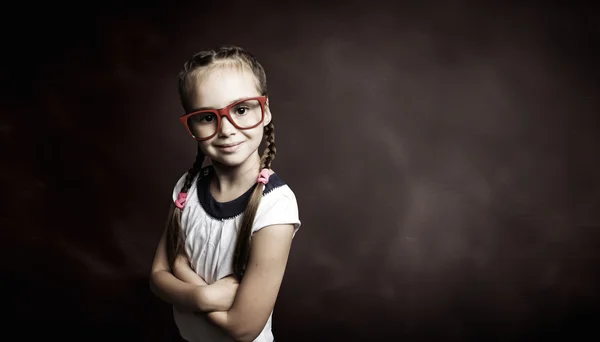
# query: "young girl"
x,y
221,259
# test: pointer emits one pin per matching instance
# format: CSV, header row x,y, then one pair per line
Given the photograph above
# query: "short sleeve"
x,y
278,207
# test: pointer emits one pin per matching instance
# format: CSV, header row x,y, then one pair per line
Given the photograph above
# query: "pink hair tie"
x,y
263,176
181,200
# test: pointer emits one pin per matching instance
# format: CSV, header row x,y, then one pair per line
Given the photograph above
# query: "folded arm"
x,y
259,288
183,288
184,272
218,296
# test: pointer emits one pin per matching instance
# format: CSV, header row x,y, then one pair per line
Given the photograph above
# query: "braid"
x,y
242,247
174,239
193,171
270,149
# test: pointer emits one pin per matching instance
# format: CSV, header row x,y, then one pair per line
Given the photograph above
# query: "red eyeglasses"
x,y
243,114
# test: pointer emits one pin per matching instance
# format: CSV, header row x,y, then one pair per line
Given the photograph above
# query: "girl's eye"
x,y
208,118
204,118
241,110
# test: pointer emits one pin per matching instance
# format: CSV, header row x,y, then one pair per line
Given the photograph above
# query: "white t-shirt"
x,y
209,229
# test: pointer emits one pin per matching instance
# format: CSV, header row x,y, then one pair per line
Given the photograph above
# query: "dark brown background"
x,y
444,155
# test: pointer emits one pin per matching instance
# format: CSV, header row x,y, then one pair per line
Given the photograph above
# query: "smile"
x,y
230,147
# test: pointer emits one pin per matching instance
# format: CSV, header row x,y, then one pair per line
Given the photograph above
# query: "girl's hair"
x,y
201,61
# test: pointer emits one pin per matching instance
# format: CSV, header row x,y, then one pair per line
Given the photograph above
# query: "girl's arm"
x,y
184,272
259,288
189,296
170,289
219,295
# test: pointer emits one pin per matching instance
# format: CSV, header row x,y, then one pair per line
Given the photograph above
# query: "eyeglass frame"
x,y
224,112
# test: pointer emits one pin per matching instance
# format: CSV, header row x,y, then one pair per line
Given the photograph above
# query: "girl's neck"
x,y
231,182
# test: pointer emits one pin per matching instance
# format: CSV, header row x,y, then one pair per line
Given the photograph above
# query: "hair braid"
x,y
270,148
174,239
243,243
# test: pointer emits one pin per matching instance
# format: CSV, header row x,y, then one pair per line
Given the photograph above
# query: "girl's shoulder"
x,y
277,193
278,205
277,187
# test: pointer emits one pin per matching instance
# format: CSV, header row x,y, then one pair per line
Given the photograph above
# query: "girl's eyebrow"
x,y
230,103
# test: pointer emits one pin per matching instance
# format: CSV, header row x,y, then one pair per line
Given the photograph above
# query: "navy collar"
x,y
231,209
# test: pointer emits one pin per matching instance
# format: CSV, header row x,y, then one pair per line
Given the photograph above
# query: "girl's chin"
x,y
231,160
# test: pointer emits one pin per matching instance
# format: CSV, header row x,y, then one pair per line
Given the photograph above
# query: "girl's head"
x,y
231,81
224,95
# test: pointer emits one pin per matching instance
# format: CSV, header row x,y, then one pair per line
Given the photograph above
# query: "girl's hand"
x,y
230,279
184,272
220,295
225,291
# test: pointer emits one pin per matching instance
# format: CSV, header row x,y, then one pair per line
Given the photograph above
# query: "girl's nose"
x,y
226,127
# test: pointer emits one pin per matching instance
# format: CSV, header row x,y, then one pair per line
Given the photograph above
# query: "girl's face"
x,y
216,88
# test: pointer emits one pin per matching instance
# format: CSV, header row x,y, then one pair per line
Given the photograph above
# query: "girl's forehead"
x,y
220,86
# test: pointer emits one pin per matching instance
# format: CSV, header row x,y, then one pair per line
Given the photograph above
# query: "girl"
x,y
221,259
